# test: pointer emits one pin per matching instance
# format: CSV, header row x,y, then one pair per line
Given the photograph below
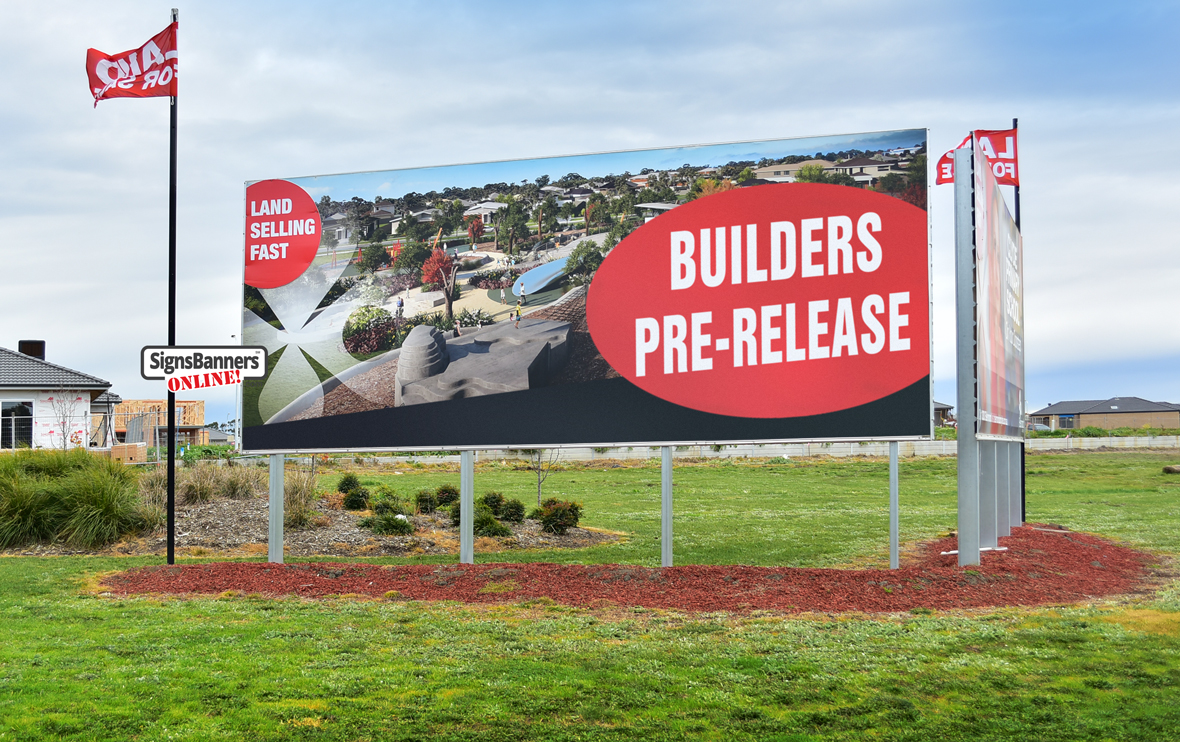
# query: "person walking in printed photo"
x,y
517,324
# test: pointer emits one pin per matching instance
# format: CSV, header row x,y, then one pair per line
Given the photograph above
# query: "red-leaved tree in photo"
x,y
440,269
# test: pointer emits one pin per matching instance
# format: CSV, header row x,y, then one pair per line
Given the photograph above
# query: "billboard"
x,y
999,255
755,291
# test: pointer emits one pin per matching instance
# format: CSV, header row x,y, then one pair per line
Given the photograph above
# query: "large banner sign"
x,y
999,256
747,292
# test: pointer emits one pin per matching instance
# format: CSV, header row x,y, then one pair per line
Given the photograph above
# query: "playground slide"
x,y
538,278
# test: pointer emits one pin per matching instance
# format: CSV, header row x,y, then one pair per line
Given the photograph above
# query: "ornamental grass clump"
x,y
299,496
98,505
388,524
512,511
26,509
426,501
197,484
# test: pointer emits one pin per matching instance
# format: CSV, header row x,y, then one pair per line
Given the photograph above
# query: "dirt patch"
x,y
1040,567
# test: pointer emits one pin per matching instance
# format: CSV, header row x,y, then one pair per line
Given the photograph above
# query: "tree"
x,y
707,187
449,217
411,257
474,229
892,183
810,174
541,462
374,257
744,175
64,408
513,224
412,229
440,269
585,258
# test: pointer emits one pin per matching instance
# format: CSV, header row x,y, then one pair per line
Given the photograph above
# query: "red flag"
x,y
146,72
999,147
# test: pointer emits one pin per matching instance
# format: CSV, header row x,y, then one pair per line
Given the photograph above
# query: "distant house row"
x,y
1116,412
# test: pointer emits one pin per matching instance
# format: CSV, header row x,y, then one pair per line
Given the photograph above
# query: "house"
x,y
146,421
865,170
43,405
787,173
942,414
1116,412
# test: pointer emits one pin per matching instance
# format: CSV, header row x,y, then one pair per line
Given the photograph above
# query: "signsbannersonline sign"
x,y
186,367
726,309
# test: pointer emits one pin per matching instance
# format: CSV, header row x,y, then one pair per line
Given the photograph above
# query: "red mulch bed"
x,y
1040,567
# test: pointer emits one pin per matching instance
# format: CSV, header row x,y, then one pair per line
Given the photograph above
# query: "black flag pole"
x,y
172,323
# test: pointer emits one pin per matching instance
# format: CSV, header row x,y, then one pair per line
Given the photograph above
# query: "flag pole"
x,y
172,324
1023,473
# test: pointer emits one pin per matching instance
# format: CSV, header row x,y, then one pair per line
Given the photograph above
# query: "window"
x,y
1065,422
16,424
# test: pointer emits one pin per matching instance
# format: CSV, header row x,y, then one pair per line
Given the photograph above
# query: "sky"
x,y
281,90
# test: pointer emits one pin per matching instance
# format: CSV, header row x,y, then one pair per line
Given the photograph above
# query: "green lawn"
x,y
75,665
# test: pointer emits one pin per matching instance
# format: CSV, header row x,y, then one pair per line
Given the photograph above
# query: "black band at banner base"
x,y
603,412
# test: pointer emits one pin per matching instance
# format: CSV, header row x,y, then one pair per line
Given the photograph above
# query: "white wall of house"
x,y
53,412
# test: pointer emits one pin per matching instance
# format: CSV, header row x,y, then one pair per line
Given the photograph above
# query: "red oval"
x,y
282,233
634,289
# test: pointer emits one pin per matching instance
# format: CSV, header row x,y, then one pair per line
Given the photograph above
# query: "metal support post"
x,y
466,507
1003,490
968,447
987,495
666,507
1016,483
274,543
894,553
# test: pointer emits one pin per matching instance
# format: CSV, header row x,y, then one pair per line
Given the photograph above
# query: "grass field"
x,y
74,665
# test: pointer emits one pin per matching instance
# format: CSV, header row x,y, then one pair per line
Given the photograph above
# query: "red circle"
x,y
282,233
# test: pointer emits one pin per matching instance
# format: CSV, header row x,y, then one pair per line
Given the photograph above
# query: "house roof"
x,y
26,372
108,398
940,406
1113,405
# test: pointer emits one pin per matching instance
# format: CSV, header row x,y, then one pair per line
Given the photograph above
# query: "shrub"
x,y
455,514
426,501
357,499
26,512
240,483
487,525
197,484
512,511
467,318
52,463
389,524
446,494
368,329
493,501
385,501
299,494
98,505
348,483
558,516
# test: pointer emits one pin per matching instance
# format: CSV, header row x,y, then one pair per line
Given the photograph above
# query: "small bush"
x,y
446,494
558,516
454,513
26,512
367,330
197,484
385,501
494,501
512,511
299,495
487,525
389,524
534,514
357,499
426,501
98,505
348,483
240,483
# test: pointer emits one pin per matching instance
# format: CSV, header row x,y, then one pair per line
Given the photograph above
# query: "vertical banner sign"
x,y
998,146
1000,297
